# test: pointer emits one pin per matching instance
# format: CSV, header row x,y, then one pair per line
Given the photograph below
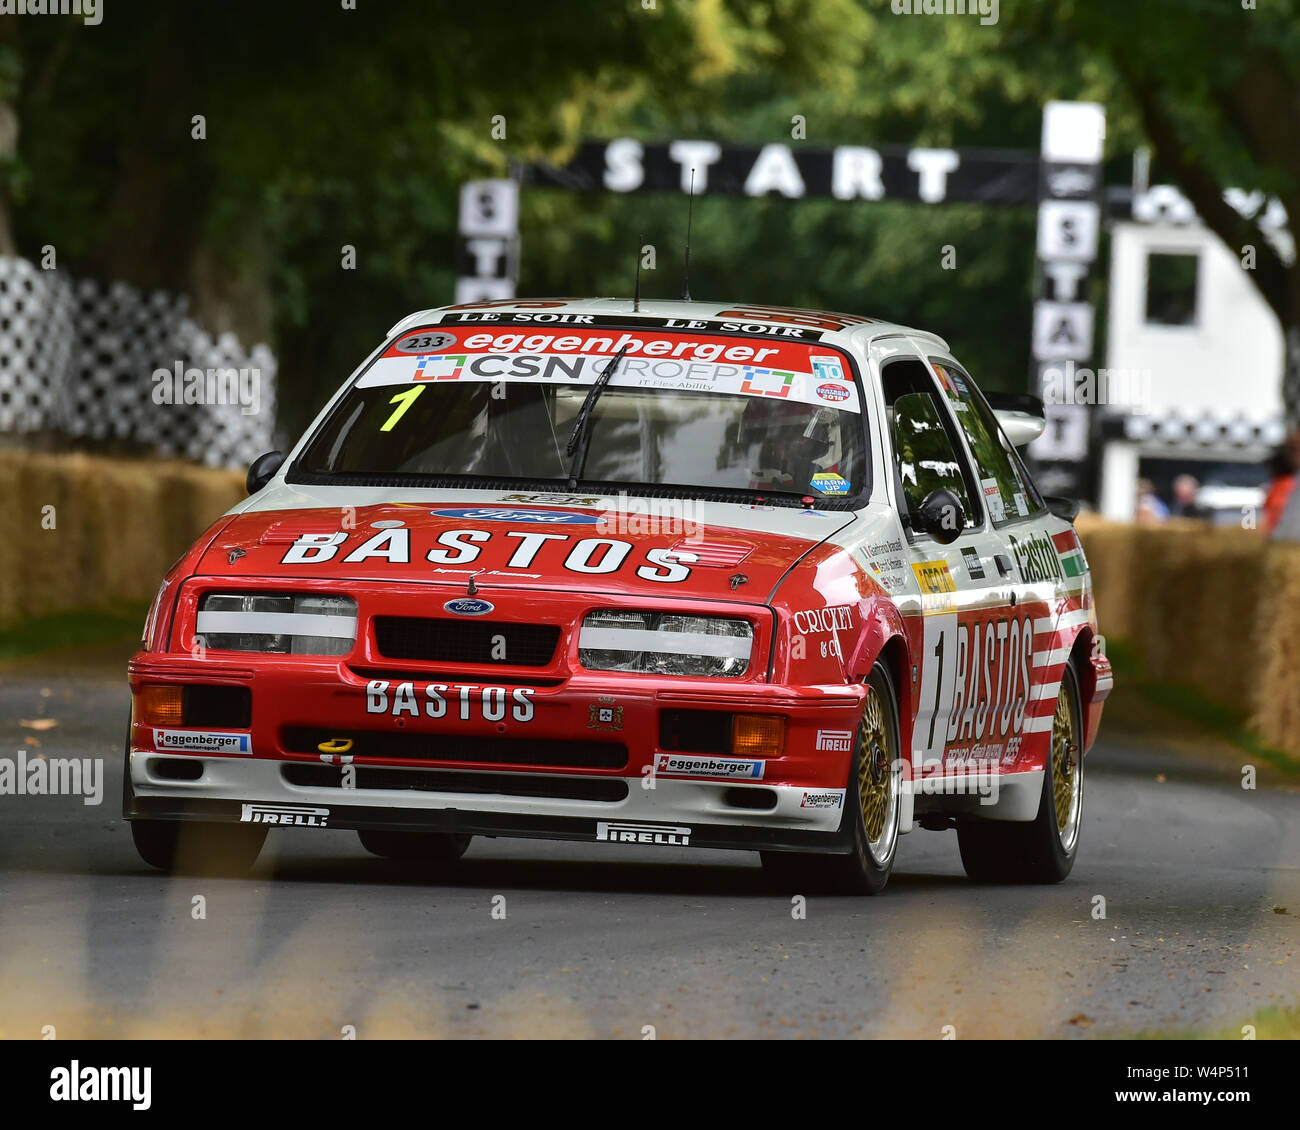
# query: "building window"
x,y
1171,289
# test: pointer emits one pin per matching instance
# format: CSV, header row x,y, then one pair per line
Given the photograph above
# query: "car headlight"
x,y
665,643
279,623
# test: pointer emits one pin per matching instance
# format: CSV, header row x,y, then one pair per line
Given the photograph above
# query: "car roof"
x,y
857,326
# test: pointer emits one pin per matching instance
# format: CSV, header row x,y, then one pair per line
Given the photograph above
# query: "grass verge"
x,y
1277,1022
63,630
1193,707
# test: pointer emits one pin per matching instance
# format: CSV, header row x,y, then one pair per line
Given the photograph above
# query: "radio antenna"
x,y
636,293
686,262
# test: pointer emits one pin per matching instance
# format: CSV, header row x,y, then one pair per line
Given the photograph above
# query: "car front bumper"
x,y
556,751
673,812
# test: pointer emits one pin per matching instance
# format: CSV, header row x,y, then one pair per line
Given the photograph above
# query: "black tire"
x,y
155,842
198,848
190,848
436,849
1035,851
128,794
866,869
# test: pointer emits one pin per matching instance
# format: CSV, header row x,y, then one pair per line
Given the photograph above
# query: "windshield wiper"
x,y
578,437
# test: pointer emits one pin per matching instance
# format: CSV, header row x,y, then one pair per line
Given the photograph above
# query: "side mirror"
x,y
262,470
1020,415
1067,508
940,515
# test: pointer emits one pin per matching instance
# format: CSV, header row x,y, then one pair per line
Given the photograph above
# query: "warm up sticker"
x,y
652,358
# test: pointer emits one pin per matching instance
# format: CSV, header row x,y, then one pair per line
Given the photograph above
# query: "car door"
x,y
1026,560
965,591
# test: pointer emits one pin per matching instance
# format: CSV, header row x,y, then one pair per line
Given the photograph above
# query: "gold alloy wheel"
x,y
1067,774
875,769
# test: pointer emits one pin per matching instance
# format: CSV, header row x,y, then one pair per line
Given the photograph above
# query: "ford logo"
x,y
468,606
506,514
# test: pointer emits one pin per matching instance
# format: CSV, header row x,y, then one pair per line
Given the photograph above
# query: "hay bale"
x,y
1185,598
10,553
1110,548
1276,713
129,560
1199,591
118,525
53,563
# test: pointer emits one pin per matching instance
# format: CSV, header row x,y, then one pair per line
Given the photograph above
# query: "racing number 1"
x,y
938,687
939,666
403,400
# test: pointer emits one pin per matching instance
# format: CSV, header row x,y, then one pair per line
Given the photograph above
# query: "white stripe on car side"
x,y
1039,725
1065,620
1052,656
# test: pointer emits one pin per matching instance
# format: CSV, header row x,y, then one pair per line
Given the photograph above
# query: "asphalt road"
x,y
607,941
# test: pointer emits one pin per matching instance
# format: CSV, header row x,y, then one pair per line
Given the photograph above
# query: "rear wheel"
x,y
441,849
1042,850
871,804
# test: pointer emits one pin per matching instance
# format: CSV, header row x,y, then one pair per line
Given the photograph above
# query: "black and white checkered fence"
x,y
86,359
1183,434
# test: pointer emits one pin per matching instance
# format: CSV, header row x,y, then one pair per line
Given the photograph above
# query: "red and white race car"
x,y
679,573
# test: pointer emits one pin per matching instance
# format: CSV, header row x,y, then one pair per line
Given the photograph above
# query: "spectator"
x,y
1151,510
1281,481
1185,504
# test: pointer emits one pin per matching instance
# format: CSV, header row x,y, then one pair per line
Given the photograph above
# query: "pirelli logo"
x,y
835,741
285,815
667,835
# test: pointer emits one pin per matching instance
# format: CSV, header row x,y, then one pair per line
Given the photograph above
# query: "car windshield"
x,y
681,410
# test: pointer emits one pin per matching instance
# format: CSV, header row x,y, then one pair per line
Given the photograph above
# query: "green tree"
x,y
323,127
328,127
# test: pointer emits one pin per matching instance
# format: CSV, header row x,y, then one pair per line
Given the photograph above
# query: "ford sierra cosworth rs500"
x,y
639,574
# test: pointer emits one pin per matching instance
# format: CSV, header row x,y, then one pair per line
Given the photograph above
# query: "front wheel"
x,y
1042,850
190,848
196,848
872,803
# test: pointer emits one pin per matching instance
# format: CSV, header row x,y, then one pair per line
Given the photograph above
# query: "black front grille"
x,y
465,641
449,781
480,749
397,675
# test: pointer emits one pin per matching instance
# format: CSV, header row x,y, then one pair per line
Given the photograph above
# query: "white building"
x,y
1196,352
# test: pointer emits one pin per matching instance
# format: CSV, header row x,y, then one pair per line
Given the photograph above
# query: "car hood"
x,y
381,534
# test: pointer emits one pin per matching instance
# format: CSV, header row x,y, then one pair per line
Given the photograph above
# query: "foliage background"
x,y
330,126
